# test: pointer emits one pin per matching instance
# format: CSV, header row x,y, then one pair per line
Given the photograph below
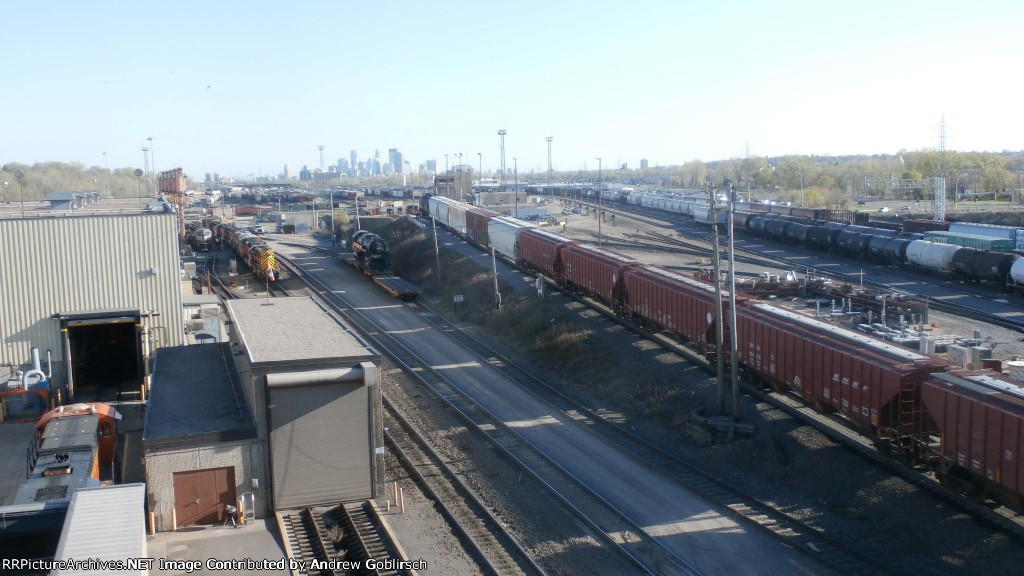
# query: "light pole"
x,y
515,169
20,176
548,139
459,187
106,167
501,135
152,157
138,177
600,239
445,163
956,189
801,188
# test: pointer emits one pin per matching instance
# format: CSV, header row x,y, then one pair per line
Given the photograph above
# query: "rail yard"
x,y
536,467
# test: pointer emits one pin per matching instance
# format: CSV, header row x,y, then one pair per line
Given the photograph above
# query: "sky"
x,y
243,88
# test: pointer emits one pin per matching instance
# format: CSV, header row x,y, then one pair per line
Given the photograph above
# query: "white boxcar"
x,y
503,232
989,230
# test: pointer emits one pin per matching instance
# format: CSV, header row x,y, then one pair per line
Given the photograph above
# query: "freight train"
x,y
916,407
889,247
257,255
72,447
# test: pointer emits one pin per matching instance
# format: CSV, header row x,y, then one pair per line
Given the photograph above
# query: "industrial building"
x,y
316,396
199,441
105,524
95,294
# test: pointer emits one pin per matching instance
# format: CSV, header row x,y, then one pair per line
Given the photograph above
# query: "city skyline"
x,y
242,92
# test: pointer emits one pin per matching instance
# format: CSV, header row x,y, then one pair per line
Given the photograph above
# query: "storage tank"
x,y
1016,368
932,256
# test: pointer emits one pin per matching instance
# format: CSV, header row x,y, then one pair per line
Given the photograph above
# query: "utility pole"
x,y
733,359
437,251
515,163
719,328
494,266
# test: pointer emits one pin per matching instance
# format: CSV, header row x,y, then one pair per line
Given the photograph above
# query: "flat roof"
x,y
294,330
196,399
106,523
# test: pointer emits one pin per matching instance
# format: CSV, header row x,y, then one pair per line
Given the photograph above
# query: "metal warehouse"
x,y
104,524
97,292
199,442
314,388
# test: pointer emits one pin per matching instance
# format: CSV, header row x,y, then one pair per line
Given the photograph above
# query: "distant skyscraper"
x,y
432,166
643,163
395,159
353,158
285,173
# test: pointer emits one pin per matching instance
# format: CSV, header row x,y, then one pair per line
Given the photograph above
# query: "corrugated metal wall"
x,y
81,264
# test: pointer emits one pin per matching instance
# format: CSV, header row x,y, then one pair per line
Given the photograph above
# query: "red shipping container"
x,y
540,249
980,418
596,272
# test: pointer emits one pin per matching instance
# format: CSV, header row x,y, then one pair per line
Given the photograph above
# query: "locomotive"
x,y
257,255
371,252
917,408
73,447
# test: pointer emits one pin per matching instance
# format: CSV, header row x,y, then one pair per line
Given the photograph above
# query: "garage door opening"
x,y
105,355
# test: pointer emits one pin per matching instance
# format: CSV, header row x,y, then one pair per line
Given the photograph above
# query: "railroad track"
x,y
795,533
610,524
482,534
339,540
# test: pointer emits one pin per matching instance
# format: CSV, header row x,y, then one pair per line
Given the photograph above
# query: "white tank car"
x,y
932,255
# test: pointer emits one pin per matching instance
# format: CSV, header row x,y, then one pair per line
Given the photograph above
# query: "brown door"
x,y
200,495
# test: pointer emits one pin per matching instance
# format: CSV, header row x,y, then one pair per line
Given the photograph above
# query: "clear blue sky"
x,y
245,87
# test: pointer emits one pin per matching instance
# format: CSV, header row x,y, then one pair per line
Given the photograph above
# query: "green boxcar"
x,y
985,243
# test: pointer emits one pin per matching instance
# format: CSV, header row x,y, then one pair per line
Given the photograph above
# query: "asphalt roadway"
x,y
682,521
